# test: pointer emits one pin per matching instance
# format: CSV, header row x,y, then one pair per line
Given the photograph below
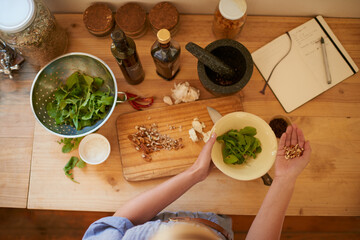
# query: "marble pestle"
x,y
211,61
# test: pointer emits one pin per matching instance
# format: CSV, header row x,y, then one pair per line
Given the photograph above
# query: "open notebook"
x,y
301,75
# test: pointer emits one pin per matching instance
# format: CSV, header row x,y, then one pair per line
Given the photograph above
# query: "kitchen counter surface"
x,y
31,161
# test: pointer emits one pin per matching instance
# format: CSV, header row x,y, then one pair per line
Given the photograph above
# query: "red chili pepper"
x,y
134,106
131,95
135,100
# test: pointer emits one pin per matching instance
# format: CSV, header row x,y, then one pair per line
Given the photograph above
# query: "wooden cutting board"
x,y
174,121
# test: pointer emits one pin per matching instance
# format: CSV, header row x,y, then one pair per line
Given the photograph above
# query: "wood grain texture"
x,y
14,171
328,186
168,163
16,137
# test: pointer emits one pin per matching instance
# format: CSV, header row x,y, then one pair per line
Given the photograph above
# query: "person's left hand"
x,y
203,165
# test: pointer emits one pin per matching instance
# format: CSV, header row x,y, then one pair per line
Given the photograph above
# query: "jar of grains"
x,y
29,26
229,18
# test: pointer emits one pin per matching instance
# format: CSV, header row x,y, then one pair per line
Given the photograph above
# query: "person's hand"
x,y
291,168
203,165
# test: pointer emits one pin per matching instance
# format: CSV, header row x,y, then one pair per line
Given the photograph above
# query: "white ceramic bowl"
x,y
94,149
252,168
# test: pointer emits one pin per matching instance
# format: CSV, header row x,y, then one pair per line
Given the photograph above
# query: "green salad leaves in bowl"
x,y
74,95
246,146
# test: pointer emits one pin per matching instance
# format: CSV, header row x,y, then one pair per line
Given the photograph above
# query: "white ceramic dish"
x,y
253,168
94,149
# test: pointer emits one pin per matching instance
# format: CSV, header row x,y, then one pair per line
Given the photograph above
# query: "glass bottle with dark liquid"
x,y
123,49
166,55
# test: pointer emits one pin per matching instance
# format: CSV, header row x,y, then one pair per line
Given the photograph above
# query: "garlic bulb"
x,y
183,92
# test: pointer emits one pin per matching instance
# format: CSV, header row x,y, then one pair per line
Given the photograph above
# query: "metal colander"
x,y
56,72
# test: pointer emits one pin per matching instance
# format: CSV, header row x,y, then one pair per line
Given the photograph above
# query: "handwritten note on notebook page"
x,y
301,75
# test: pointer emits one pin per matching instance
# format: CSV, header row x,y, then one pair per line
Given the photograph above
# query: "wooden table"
x,y
329,186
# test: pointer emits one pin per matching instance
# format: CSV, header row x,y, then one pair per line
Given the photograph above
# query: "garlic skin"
x,y
167,100
183,92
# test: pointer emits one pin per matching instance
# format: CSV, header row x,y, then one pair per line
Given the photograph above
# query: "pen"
x,y
327,69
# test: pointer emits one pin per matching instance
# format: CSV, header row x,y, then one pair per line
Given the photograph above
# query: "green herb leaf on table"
x,y
239,146
71,164
70,144
80,102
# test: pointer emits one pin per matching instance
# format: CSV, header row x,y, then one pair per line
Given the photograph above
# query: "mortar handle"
x,y
211,61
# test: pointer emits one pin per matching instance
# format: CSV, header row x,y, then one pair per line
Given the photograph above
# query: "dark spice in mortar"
x,y
228,55
278,125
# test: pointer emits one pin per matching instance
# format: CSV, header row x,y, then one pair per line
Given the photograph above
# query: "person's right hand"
x,y
291,168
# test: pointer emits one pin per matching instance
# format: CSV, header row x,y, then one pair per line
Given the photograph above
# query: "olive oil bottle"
x,y
123,49
166,55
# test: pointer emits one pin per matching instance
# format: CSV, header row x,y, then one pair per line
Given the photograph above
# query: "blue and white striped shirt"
x,y
120,228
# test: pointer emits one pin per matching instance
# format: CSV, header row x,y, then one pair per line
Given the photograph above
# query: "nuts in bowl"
x,y
259,147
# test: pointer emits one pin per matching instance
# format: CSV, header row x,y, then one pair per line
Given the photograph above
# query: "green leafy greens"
x,y
70,144
73,162
80,102
239,146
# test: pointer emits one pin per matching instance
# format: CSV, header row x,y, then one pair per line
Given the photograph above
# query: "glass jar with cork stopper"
x,y
166,55
229,18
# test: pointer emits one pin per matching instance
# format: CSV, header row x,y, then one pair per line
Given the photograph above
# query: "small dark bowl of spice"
x,y
279,124
98,19
164,15
131,18
236,56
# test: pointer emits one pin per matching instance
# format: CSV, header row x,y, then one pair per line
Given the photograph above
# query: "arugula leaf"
x,y
250,131
70,144
98,82
71,164
80,164
231,159
72,80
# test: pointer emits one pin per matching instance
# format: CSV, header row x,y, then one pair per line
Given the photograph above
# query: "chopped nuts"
x,y
293,151
149,140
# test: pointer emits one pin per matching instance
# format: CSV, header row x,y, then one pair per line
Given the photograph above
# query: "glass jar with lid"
x,y
229,18
30,27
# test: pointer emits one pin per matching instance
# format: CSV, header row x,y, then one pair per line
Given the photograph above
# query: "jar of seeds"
x,y
229,18
30,27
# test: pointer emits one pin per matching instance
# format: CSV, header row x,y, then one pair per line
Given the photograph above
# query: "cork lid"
x,y
130,17
164,15
98,17
163,36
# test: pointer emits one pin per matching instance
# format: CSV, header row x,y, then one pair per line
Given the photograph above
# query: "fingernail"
x,y
213,135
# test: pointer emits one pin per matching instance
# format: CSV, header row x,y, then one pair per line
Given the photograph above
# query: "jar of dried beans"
x,y
29,26
229,18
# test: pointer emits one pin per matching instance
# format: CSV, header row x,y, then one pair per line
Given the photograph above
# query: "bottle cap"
x,y
16,15
118,35
232,9
163,36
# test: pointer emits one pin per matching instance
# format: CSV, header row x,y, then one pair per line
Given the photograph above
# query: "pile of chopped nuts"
x,y
149,140
293,151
